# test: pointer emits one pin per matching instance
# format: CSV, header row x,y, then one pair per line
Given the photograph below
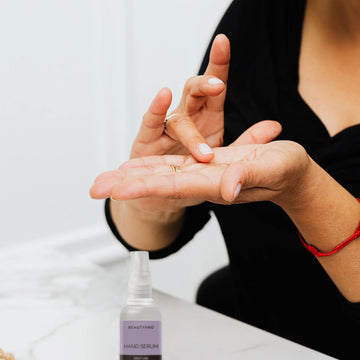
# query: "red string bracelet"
x,y
318,253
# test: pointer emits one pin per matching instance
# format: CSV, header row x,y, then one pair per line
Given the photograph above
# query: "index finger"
x,y
182,128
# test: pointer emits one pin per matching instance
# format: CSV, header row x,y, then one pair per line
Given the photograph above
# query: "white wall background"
x,y
75,78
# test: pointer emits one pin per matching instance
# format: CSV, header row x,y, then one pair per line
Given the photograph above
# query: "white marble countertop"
x,y
53,306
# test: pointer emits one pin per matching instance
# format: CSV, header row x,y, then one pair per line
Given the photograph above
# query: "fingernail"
x,y
205,149
215,81
237,191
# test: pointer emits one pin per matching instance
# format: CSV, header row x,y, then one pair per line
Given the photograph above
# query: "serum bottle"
x,y
140,320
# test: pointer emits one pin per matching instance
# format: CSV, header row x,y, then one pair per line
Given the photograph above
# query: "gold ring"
x,y
175,168
166,121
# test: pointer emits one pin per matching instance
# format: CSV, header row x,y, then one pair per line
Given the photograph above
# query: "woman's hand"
x,y
199,120
277,171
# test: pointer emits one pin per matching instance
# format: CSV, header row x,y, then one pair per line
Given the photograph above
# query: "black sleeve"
x,y
195,219
348,329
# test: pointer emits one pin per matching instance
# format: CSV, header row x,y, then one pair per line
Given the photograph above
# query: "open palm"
x,y
264,171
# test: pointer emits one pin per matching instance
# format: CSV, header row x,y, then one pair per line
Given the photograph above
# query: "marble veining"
x,y
55,307
42,290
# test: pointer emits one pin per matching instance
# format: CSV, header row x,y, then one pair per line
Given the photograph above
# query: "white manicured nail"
x,y
205,149
215,81
237,191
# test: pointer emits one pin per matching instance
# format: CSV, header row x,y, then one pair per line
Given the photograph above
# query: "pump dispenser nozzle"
x,y
140,277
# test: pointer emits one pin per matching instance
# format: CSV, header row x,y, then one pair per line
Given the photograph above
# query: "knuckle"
x,y
176,192
181,125
253,136
178,120
190,81
177,196
221,141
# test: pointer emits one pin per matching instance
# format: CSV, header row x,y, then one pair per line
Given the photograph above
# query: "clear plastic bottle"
x,y
140,320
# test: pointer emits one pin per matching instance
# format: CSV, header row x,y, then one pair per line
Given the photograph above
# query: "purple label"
x,y
140,338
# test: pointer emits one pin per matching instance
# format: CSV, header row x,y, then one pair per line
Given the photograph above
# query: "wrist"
x,y
146,230
126,209
302,186
323,211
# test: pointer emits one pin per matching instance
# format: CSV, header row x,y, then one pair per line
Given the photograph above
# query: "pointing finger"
x,y
183,129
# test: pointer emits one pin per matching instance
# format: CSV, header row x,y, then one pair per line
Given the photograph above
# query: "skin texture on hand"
x,y
260,133
265,171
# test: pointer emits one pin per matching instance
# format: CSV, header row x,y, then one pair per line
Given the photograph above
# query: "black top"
x,y
280,287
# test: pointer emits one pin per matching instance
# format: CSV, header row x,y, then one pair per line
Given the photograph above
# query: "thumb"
x,y
260,133
233,180
255,174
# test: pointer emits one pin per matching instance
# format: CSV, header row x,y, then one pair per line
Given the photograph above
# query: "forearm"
x,y
326,215
146,230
